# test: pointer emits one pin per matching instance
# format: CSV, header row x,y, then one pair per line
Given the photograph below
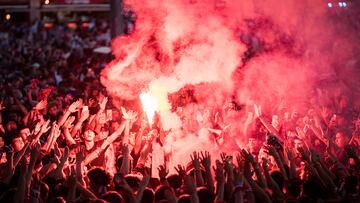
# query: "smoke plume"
x,y
265,52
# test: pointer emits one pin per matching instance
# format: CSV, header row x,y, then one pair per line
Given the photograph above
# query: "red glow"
x,y
203,44
48,25
72,25
85,24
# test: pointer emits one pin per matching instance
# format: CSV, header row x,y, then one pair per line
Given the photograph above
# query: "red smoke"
x,y
266,52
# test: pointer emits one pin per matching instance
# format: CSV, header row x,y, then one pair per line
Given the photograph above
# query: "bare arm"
x,y
256,167
196,163
277,193
220,182
206,162
293,174
125,163
272,152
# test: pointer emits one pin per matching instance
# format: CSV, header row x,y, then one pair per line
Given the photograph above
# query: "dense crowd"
x,y
63,139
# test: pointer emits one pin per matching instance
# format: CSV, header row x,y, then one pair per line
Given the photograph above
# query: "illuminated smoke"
x,y
203,43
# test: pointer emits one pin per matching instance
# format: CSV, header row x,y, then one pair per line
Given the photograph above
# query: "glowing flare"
x,y
150,105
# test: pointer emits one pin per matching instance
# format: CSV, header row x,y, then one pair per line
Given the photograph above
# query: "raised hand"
x,y
223,157
181,171
195,160
79,155
102,118
219,172
247,156
205,159
85,113
37,127
270,150
74,106
91,102
41,105
163,171
45,127
35,151
103,103
68,123
128,115
257,110
57,130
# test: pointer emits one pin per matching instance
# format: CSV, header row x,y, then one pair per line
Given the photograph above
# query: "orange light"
x,y
7,16
47,2
150,105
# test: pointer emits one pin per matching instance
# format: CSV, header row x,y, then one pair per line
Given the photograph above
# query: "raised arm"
x,y
267,125
249,157
195,160
71,109
277,191
93,155
206,162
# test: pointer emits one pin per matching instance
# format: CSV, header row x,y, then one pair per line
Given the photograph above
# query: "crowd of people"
x,y
63,139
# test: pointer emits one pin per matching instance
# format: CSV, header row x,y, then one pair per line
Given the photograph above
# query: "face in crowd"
x,y
89,135
24,134
340,139
17,144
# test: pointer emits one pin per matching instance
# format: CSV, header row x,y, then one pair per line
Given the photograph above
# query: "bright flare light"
x,y
150,105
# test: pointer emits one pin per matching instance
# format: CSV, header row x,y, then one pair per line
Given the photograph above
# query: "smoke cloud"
x,y
266,52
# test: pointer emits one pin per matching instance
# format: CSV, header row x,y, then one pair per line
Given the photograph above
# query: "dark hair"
x,y
99,177
44,191
160,192
112,197
148,196
314,189
205,196
185,198
133,180
294,187
174,181
58,200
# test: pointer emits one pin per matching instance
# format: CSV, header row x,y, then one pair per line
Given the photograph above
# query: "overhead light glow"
x,y
330,5
47,2
7,16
